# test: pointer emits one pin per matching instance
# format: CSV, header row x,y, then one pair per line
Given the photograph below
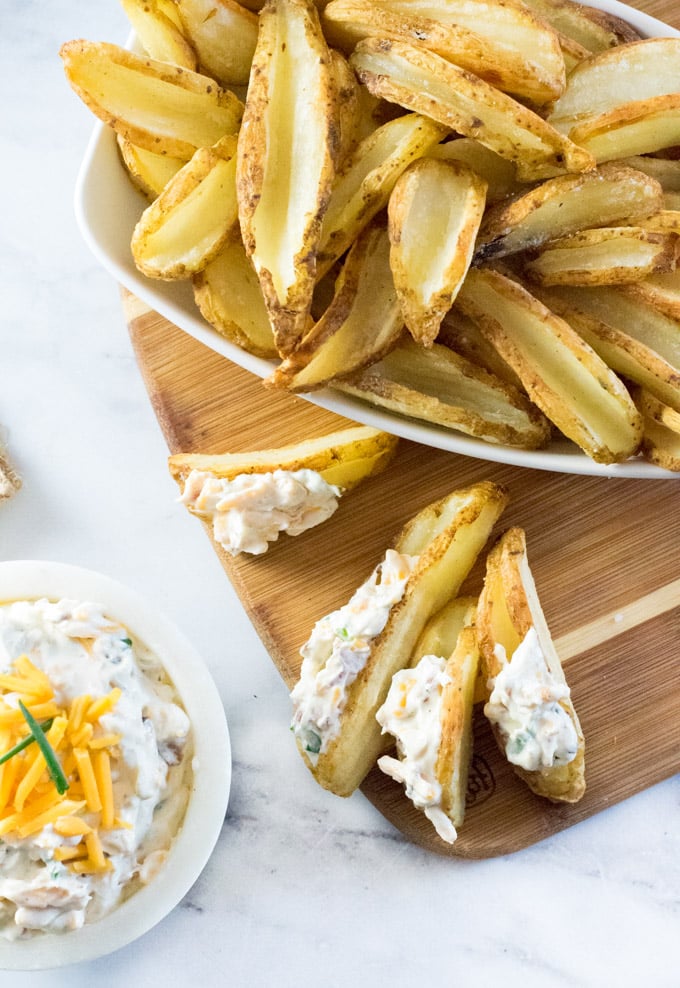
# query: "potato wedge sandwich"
x,y
428,710
247,499
352,653
529,706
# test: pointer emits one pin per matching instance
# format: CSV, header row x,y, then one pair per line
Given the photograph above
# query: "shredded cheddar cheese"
x,y
29,799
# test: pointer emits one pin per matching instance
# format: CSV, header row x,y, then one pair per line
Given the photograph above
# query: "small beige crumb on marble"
x,y
10,481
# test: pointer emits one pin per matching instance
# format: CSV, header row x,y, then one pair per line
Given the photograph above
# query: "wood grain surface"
x,y
603,552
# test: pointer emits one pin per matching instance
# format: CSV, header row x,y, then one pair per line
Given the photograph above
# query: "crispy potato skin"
x,y
347,455
508,608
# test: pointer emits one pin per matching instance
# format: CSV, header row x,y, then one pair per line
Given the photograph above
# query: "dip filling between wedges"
x,y
338,649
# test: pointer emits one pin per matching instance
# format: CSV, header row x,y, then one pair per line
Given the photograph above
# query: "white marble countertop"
x,y
303,887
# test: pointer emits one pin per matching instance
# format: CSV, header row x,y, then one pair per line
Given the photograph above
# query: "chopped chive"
x,y
25,743
53,766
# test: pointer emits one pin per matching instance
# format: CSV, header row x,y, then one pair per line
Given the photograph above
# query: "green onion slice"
x,y
53,766
25,743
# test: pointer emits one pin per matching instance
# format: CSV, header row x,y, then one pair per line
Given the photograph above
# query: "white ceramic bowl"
x,y
29,580
107,208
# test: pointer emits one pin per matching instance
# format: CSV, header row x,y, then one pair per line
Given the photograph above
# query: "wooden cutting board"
x,y
603,552
604,555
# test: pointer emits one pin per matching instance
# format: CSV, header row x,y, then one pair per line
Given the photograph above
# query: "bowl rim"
x,y
208,800
174,302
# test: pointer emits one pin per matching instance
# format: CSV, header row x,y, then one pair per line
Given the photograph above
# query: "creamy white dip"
x,y
338,650
524,703
412,714
251,510
82,651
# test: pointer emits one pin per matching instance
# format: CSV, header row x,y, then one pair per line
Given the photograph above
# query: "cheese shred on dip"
x,y
122,741
338,649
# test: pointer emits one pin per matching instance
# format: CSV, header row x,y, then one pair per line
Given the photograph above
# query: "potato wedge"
x,y
434,214
498,173
343,458
661,291
595,30
286,165
246,500
148,171
420,80
665,170
193,217
159,107
439,386
610,194
606,256
630,129
223,34
362,323
634,338
228,294
158,34
515,644
432,556
440,634
364,185
663,221
640,70
651,408
661,445
503,43
428,710
349,102
661,438
464,337
566,379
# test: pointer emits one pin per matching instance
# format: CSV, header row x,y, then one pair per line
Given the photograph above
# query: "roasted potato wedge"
x,y
285,170
159,35
661,439
565,205
503,43
439,386
464,337
661,291
633,337
247,500
498,173
224,34
157,106
594,30
343,458
364,185
362,323
665,170
228,294
445,539
349,103
566,379
606,256
438,686
420,80
511,628
434,214
148,171
631,129
193,217
638,71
